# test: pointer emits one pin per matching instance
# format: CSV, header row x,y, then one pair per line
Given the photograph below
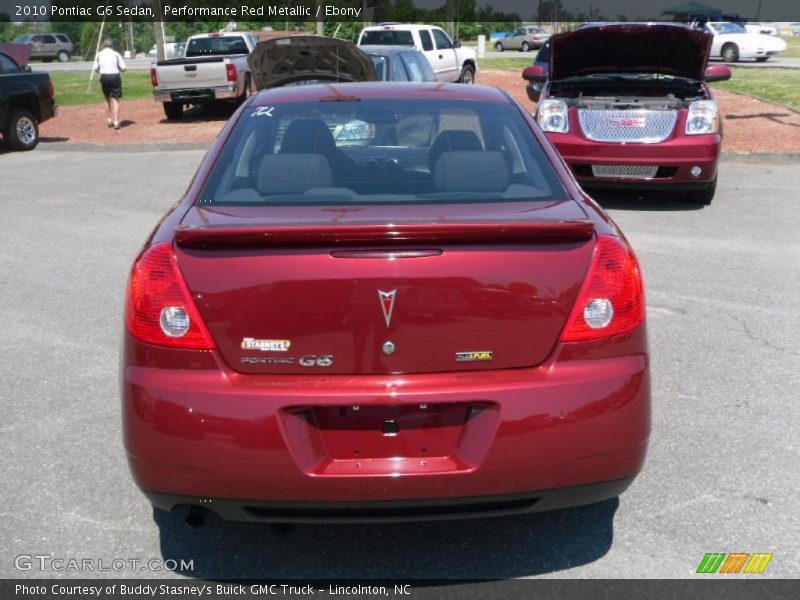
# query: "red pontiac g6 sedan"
x,y
629,106
384,301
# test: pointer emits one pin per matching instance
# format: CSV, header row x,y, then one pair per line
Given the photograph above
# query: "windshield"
x,y
21,39
215,46
727,28
381,152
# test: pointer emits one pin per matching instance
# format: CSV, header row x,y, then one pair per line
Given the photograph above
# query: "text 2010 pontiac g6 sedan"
x,y
384,301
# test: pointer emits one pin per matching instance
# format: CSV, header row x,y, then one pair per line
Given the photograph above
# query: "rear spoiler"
x,y
382,234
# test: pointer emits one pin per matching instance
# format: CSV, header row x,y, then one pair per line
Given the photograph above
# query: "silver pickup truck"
x,y
214,68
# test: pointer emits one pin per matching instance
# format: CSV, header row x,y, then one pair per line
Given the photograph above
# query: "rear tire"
x,y
499,47
526,47
22,131
173,110
63,56
467,75
730,52
703,196
248,90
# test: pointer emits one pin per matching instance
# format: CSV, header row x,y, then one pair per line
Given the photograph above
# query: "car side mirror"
x,y
534,74
27,68
717,73
534,91
456,44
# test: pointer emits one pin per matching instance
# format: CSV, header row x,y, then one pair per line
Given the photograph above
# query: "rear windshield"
x,y
381,151
214,46
387,38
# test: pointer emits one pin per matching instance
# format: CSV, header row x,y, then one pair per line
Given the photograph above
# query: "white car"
x,y
732,42
765,28
450,61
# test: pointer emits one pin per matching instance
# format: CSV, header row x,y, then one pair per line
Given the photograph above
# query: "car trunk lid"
x,y
324,290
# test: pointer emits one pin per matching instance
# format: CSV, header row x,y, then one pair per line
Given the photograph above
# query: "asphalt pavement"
x,y
722,472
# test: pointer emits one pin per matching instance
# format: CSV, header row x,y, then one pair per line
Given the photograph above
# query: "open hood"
x,y
661,48
300,58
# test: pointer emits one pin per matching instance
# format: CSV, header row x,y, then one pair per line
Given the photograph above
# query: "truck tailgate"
x,y
194,74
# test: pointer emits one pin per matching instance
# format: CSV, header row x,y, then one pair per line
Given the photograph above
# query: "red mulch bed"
x,y
751,125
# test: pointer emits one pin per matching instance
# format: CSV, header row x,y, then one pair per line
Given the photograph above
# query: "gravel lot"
x,y
724,463
750,125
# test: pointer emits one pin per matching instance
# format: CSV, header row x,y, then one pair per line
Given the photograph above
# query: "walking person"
x,y
110,65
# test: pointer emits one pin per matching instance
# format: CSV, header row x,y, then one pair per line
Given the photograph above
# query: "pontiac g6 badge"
x,y
387,304
266,345
473,356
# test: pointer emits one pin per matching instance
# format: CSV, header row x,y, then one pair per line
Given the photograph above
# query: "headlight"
x,y
553,116
702,117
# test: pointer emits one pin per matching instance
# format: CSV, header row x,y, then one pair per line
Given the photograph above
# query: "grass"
x,y
776,85
793,51
71,87
516,63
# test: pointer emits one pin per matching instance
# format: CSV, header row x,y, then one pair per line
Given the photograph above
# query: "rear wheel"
x,y
467,74
730,52
703,196
526,47
63,56
499,47
173,110
248,90
22,132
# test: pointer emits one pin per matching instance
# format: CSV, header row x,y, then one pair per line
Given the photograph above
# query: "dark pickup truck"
x,y
26,99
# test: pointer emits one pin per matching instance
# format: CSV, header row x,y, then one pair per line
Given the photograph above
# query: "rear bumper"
x,y
197,433
196,95
400,510
673,159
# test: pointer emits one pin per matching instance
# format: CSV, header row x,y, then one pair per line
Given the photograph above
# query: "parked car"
x,y
443,326
542,60
633,115
393,63
524,39
171,50
732,42
450,61
48,46
26,99
307,59
762,28
214,68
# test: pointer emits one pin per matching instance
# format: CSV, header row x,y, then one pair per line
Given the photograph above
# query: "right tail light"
x,y
611,300
154,76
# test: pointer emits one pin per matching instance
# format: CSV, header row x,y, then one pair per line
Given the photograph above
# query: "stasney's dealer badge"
x,y
266,345
474,356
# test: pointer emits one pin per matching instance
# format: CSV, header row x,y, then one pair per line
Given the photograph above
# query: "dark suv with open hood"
x,y
628,105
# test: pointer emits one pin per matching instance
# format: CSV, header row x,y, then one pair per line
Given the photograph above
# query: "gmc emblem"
x,y
638,122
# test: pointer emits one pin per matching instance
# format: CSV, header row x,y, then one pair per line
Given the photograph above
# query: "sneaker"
x,y
110,122
116,125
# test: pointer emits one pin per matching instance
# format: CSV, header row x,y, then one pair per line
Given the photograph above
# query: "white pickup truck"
x,y
450,61
213,68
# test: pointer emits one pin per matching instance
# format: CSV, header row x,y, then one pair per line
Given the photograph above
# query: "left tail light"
x,y
611,301
230,69
159,308
51,88
154,76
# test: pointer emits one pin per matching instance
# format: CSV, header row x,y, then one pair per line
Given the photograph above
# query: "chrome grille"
x,y
644,126
638,171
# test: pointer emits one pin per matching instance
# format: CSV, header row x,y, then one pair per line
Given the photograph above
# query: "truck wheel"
x,y
248,90
63,56
467,74
703,196
22,132
730,52
173,110
499,47
526,47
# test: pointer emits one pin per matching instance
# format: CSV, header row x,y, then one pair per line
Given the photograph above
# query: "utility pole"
x,y
158,30
320,23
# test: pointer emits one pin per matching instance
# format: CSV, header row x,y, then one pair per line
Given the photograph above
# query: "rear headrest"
x,y
293,173
451,141
308,136
471,172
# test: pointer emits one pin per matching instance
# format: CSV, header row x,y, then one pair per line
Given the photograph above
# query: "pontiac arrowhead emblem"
x,y
387,304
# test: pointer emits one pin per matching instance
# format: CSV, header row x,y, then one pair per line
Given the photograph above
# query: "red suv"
x,y
628,105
